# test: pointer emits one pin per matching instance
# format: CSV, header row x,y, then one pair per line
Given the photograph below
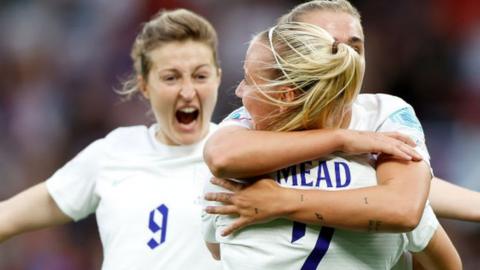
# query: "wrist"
x,y
340,139
289,200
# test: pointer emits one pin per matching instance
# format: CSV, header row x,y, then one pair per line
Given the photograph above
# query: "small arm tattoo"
x,y
256,210
366,200
374,225
319,217
301,197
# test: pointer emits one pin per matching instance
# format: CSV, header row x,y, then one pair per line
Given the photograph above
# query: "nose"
x,y
239,90
188,91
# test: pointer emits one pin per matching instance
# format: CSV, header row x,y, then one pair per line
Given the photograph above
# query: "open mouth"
x,y
187,115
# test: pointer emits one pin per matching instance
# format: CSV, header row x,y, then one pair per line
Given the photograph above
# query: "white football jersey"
x,y
146,197
283,244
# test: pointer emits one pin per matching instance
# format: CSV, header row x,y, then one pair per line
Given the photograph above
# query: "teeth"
x,y
188,110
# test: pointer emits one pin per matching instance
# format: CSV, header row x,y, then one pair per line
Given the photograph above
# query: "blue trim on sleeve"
x,y
238,115
406,117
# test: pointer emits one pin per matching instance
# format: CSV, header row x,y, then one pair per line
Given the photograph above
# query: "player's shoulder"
x,y
381,101
238,114
381,109
381,105
128,139
239,117
371,111
212,128
126,133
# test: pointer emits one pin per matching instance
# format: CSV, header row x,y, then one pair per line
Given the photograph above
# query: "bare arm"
x,y
275,150
440,254
29,210
229,151
402,184
454,202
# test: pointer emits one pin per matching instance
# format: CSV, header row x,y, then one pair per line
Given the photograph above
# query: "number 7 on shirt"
x,y
321,246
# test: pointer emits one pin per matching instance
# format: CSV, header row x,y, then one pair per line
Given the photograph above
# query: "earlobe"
x,y
287,95
142,87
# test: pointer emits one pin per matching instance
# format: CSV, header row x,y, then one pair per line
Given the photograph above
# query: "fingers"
x,y
222,210
405,151
401,137
401,151
411,152
227,184
400,146
398,154
222,197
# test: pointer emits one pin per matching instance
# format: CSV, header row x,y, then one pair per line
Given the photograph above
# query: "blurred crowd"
x,y
61,61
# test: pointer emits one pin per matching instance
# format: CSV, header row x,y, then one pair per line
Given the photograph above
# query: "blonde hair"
x,y
166,26
325,76
329,5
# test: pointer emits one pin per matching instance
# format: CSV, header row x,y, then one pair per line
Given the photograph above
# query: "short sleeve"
x,y
419,238
405,121
240,117
72,187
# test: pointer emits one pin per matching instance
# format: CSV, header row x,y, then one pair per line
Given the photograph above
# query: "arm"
x,y
29,210
402,184
229,151
440,254
452,201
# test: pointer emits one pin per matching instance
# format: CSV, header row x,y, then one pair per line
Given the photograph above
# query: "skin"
x,y
252,99
396,179
454,202
16,215
184,75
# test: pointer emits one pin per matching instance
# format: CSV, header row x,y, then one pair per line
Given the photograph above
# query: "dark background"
x,y
61,59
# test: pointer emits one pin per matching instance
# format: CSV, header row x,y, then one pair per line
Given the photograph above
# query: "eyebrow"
x,y
176,69
201,66
355,39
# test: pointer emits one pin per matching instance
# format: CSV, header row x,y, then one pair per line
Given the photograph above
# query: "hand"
x,y
391,143
257,202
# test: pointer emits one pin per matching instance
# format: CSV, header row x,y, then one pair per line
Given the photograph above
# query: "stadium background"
x,y
61,59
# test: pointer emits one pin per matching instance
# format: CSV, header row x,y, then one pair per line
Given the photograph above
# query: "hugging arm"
x,y
275,150
29,210
395,205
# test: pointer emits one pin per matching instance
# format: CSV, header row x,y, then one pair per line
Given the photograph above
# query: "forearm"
x,y
395,205
454,202
29,210
229,154
373,209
